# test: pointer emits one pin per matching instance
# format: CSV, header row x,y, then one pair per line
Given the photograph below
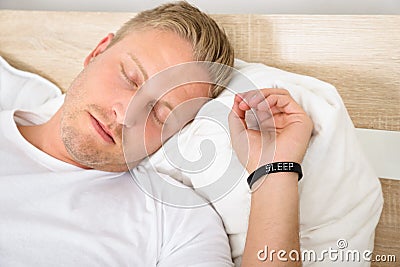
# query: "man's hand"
x,y
280,119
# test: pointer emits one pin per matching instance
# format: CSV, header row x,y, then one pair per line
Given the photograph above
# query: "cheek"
x,y
152,136
98,83
80,90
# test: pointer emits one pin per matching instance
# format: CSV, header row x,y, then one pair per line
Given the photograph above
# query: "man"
x,y
66,199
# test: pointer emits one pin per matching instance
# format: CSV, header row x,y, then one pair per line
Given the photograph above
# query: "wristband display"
x,y
274,168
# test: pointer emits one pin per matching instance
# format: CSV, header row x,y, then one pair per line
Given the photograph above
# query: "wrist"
x,y
288,158
253,167
275,179
275,167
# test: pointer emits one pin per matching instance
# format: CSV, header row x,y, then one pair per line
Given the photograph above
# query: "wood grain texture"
x,y
387,235
360,55
54,44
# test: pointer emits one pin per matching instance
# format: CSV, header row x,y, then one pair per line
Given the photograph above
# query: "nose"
x,y
119,111
120,107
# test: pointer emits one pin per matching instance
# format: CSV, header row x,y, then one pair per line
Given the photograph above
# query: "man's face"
x,y
95,108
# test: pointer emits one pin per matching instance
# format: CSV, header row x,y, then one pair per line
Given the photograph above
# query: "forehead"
x,y
156,49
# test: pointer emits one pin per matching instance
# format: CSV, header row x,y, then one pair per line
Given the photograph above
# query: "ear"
x,y
100,48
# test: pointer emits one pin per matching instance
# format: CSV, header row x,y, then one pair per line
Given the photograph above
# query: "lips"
x,y
102,130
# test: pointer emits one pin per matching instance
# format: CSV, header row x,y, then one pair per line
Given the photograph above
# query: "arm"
x,y
285,130
273,221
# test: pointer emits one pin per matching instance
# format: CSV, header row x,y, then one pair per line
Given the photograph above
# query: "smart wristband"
x,y
274,168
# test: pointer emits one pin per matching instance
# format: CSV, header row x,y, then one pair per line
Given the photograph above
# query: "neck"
x,y
47,137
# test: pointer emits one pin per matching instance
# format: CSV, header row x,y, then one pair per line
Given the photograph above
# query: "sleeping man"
x,y
66,196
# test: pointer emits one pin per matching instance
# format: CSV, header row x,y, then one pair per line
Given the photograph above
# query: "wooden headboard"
x,y
360,55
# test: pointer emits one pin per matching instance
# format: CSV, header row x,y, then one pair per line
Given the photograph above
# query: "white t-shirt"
x,y
56,214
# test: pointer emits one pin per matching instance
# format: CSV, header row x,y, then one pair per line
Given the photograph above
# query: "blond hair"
x,y
209,41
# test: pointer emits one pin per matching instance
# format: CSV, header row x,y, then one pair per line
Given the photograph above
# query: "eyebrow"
x,y
140,66
167,104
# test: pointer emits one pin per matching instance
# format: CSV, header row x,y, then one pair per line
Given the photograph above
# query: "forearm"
x,y
285,131
274,221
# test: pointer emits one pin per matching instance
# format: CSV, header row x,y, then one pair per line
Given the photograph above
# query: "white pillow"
x,y
340,196
24,90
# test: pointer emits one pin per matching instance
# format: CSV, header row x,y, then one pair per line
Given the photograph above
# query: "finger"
x,y
283,103
236,107
257,96
278,121
262,111
236,119
243,100
265,121
251,96
276,103
265,108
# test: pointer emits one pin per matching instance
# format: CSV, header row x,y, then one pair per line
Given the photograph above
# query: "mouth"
x,y
102,130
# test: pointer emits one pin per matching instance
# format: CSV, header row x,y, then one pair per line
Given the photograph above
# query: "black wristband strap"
x,y
273,168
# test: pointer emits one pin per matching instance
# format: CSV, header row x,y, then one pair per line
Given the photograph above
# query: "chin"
x,y
121,167
108,167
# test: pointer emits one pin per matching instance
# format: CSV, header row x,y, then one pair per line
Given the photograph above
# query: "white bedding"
x,y
340,196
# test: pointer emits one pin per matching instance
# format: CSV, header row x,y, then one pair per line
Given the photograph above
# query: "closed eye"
x,y
161,111
156,118
155,110
127,79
